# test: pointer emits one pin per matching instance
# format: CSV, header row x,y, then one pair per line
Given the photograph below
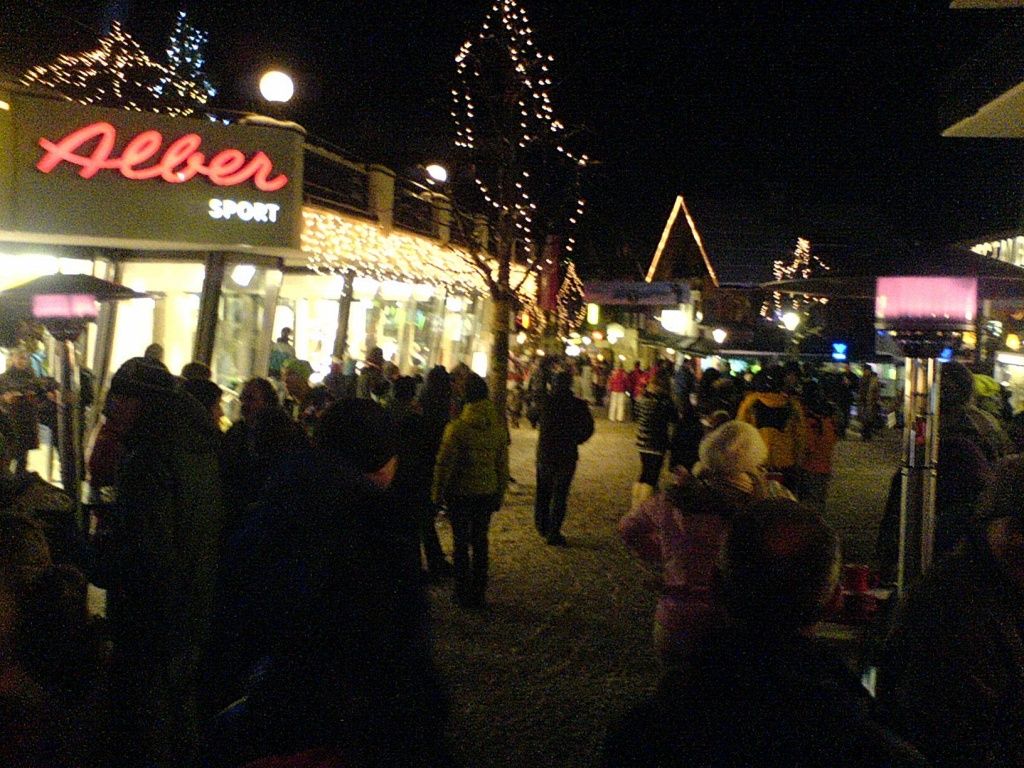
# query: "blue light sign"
x,y
839,351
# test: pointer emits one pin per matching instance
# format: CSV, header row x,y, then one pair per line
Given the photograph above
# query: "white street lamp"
x,y
276,86
790,321
437,172
719,335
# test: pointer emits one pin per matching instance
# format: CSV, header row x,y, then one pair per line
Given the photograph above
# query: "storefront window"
x,y
308,304
168,318
416,326
240,320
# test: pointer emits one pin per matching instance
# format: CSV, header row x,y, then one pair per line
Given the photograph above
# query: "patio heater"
x,y
925,315
64,304
65,317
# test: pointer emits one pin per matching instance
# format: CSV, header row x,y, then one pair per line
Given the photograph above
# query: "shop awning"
x,y
334,243
1001,118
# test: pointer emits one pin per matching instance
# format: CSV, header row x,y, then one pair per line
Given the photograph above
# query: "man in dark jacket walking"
x,y
762,692
565,424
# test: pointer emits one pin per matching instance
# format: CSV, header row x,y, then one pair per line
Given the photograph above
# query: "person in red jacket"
x,y
638,381
618,387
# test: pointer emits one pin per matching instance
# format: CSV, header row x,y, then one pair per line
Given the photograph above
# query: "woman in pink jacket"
x,y
681,531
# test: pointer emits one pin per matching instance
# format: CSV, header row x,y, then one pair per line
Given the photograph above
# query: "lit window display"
x,y
246,294
416,325
169,318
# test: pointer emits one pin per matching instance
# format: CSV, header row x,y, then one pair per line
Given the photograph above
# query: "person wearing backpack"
x,y
565,424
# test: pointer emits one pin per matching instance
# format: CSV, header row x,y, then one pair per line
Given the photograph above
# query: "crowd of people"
x,y
265,585
746,572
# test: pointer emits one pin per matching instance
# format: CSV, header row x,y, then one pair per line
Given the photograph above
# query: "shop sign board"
x,y
139,178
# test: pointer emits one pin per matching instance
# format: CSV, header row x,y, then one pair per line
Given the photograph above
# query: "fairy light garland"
x,y
803,266
119,73
335,243
506,25
572,305
185,55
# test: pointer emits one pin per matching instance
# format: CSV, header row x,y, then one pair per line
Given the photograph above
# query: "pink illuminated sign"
x,y
928,299
64,306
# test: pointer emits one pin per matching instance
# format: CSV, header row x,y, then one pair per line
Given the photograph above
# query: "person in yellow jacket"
x,y
779,418
470,478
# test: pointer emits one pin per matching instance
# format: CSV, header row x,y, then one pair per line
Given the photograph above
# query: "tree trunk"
x,y
497,377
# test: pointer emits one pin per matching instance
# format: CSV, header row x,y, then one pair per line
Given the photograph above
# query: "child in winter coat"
x,y
681,532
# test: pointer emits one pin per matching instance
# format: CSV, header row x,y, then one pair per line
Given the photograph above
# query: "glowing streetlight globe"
x,y
719,335
790,321
437,172
276,86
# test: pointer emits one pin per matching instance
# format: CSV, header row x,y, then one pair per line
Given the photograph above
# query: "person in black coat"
x,y
565,424
418,443
684,446
336,602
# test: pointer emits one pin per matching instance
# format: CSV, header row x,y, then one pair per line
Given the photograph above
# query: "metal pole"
x,y
66,427
920,456
344,309
209,305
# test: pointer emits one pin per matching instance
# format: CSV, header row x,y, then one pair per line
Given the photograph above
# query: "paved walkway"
x,y
566,645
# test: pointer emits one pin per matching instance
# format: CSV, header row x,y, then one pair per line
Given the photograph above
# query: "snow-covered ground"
x,y
565,645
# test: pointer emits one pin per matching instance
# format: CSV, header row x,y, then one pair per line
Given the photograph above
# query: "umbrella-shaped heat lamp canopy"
x,y
56,300
68,285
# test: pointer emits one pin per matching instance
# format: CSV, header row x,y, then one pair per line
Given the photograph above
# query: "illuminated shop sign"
x,y
1008,249
181,161
243,210
78,174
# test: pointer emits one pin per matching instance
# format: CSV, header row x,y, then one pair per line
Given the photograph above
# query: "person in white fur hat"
x,y
680,532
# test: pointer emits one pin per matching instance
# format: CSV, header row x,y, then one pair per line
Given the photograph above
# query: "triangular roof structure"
x,y
680,253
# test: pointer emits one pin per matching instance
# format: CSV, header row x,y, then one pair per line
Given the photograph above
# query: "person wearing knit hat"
x,y
359,434
137,380
160,564
681,531
960,417
209,396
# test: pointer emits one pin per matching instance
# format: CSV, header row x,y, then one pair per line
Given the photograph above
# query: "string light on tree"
x,y
520,156
186,59
803,266
572,304
119,73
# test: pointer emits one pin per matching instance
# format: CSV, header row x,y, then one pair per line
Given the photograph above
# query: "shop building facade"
x,y
196,214
215,225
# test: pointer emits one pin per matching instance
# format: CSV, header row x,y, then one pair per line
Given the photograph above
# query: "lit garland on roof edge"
x,y
119,73
803,266
336,244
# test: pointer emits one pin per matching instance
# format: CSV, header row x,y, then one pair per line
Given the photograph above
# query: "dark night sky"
x,y
815,119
